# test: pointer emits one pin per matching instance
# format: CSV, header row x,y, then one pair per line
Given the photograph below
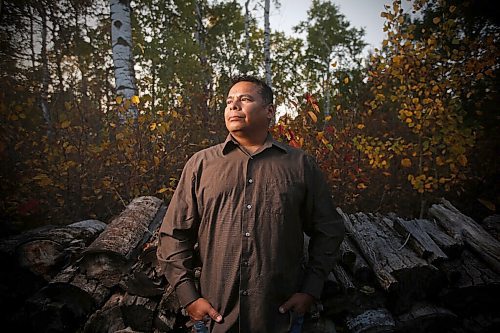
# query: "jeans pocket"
x,y
296,322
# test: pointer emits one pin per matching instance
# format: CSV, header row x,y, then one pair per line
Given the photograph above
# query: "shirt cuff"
x,y
312,285
187,293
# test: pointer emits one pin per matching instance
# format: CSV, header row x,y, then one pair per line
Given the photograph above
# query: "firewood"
x,y
427,318
108,319
463,227
373,321
115,250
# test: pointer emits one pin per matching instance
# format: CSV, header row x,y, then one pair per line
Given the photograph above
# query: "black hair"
x,y
265,91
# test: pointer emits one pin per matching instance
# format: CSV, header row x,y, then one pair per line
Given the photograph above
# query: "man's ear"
x,y
271,111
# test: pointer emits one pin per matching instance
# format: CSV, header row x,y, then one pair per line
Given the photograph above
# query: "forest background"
x,y
414,120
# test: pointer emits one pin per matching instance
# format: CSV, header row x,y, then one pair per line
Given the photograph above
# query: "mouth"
x,y
235,118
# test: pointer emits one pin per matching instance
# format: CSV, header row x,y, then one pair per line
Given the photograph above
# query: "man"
x,y
247,202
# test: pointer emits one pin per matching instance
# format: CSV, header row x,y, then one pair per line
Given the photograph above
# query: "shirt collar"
x,y
230,143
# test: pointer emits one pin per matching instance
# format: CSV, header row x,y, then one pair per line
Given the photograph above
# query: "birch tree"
x,y
121,41
267,44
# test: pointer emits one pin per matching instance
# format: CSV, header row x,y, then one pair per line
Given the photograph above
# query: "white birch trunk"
x,y
121,41
44,98
267,44
247,35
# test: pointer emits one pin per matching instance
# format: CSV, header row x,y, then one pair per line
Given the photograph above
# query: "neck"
x,y
251,142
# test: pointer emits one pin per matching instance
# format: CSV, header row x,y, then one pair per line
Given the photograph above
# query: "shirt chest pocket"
x,y
283,196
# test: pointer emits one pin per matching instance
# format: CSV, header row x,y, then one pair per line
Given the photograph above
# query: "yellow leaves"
x,y
135,99
315,107
436,20
328,118
452,9
488,204
439,161
406,162
361,186
65,124
119,99
152,126
43,179
360,126
462,160
313,116
161,190
120,136
346,80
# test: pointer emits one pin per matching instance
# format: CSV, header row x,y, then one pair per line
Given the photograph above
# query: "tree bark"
x,y
115,250
123,60
464,228
267,44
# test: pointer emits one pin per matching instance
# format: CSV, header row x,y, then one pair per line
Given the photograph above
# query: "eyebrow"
x,y
240,96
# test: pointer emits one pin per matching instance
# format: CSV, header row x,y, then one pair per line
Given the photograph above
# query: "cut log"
x,y
372,321
474,287
426,318
145,278
169,314
358,267
331,287
343,277
418,239
492,225
463,227
115,250
347,254
452,247
399,270
108,319
45,251
138,312
65,303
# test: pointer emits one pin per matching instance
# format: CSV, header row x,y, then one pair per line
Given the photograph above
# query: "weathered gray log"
x,y
492,225
115,250
463,227
372,321
397,268
168,315
427,318
331,286
452,247
343,277
138,312
65,302
418,239
347,254
145,278
108,319
473,287
44,251
358,267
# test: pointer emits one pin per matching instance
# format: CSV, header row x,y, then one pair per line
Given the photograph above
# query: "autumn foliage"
x,y
415,122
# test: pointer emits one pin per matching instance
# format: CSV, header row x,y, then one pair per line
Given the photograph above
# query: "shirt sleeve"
x,y
177,238
325,227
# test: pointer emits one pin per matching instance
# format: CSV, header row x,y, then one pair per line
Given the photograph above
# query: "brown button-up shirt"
x,y
248,213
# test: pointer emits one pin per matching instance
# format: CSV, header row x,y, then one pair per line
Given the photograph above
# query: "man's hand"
x,y
200,308
299,303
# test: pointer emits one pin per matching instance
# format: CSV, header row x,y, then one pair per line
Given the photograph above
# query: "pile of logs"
x,y
440,274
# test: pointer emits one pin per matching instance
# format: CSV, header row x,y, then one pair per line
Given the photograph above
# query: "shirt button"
x,y
250,180
244,292
247,234
249,206
245,263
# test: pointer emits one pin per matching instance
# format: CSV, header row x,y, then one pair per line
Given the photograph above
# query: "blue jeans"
x,y
297,323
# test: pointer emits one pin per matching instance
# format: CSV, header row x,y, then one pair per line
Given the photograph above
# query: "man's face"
x,y
245,110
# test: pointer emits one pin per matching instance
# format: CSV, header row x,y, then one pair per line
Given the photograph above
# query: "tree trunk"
x,y
267,44
247,35
123,60
44,96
